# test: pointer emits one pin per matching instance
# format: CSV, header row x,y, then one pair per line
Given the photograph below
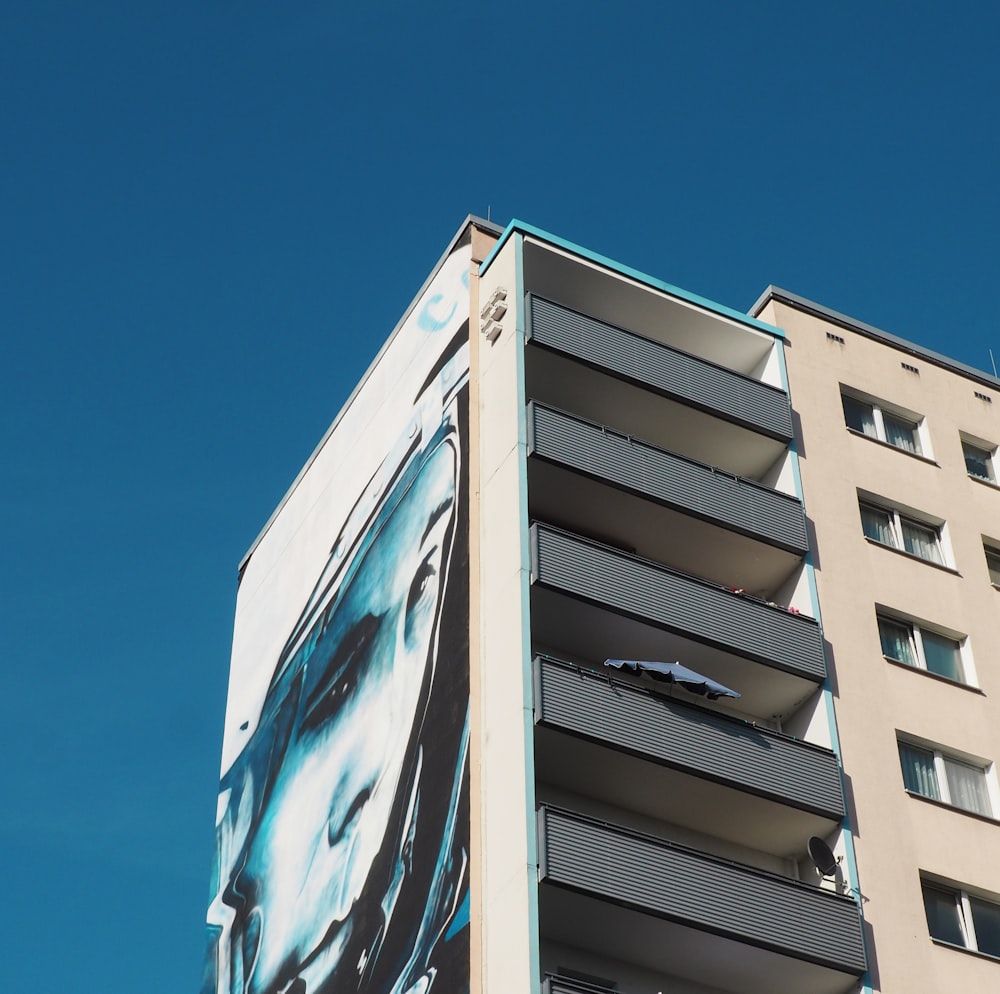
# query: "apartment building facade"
x,y
638,501
896,460
530,687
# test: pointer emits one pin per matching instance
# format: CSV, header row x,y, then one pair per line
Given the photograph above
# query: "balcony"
x,y
701,769
594,602
670,507
686,914
672,480
657,367
627,299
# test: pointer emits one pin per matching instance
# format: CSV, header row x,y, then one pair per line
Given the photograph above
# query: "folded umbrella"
x,y
674,673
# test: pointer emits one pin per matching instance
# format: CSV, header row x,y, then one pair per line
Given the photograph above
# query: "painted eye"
x,y
343,672
422,595
421,582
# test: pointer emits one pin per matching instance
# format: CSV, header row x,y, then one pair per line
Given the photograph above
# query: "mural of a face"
x,y
343,823
358,685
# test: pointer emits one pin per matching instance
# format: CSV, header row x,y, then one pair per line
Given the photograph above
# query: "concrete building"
x,y
896,455
638,496
448,762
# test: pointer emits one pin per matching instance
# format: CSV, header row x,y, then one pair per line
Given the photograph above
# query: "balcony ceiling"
x,y
613,777
587,507
611,297
633,410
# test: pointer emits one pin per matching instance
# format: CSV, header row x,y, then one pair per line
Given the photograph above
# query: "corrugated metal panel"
x,y
689,738
566,985
702,891
669,371
700,610
671,479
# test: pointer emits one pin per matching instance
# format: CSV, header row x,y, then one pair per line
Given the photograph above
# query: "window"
x,y
872,419
979,460
993,563
934,774
958,918
887,526
910,644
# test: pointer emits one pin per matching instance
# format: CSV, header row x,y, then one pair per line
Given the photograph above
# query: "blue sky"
x,y
212,214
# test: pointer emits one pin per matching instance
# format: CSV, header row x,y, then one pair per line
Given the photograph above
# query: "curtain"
x,y
944,919
859,416
897,641
986,918
902,434
921,541
918,771
942,656
877,524
977,462
967,786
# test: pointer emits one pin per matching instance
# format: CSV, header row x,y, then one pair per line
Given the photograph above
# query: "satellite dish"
x,y
822,856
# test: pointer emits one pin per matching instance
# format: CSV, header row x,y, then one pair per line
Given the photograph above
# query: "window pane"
x,y
877,524
921,541
967,786
943,917
918,771
859,416
942,655
977,462
897,641
986,918
901,433
993,564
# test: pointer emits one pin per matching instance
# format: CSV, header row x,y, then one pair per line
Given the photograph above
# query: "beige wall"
x,y
502,760
898,836
482,243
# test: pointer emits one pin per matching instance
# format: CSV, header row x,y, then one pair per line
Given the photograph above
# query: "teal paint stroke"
x,y
428,321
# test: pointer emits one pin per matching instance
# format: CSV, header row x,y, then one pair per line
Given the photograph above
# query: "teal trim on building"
x,y
831,714
527,669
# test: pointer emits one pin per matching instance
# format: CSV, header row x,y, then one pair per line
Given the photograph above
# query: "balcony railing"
x,y
675,481
701,891
554,984
688,738
655,366
693,608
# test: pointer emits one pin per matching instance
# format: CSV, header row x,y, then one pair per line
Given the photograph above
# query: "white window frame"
x,y
966,919
917,630
897,521
942,755
879,411
986,449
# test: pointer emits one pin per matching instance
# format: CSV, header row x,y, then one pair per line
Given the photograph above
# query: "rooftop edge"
x,y
870,331
652,282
